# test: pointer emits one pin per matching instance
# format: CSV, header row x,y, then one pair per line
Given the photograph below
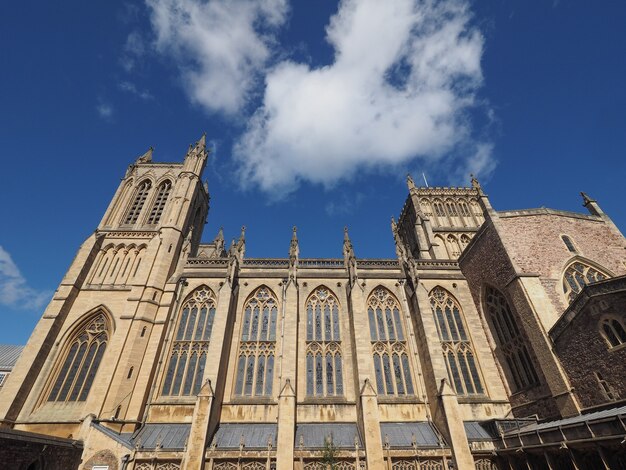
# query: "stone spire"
x,y
348,256
294,249
219,243
476,185
410,183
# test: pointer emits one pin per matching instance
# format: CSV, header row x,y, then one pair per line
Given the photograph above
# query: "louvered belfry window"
x,y
188,356
140,199
160,200
82,359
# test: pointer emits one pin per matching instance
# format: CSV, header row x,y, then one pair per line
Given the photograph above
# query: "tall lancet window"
x,y
140,199
578,275
389,348
255,364
160,200
324,369
81,361
511,342
457,347
190,345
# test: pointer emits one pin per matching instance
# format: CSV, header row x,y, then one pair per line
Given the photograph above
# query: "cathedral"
x,y
493,340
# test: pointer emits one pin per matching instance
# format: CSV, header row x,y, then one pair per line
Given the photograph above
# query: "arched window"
x,y
511,342
324,369
452,209
465,239
81,361
578,275
159,202
453,246
439,209
463,208
457,348
255,365
389,349
612,328
190,346
140,199
568,243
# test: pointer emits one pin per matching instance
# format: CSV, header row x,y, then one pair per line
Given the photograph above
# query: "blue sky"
x,y
316,111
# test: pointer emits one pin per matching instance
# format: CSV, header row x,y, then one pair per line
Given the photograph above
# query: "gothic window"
x,y
159,202
465,241
456,344
568,243
81,361
464,209
511,343
453,245
190,345
439,209
613,331
324,376
452,209
140,199
255,364
604,387
577,276
389,348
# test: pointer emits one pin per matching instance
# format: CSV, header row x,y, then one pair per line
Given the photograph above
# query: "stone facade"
x,y
160,352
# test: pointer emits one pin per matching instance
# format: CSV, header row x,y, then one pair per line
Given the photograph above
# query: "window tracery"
x,y
389,348
324,368
456,344
255,365
577,276
190,346
160,200
140,199
81,362
510,340
612,328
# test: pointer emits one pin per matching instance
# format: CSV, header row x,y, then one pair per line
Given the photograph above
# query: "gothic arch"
x,y
460,357
577,272
390,351
78,361
159,200
324,366
136,204
612,328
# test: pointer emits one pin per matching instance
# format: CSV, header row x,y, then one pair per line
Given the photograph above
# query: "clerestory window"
x,y
255,364
456,344
324,369
389,348
190,346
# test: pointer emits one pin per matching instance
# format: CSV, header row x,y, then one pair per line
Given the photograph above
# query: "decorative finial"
x,y
409,181
202,141
346,237
475,183
586,198
220,234
146,157
243,232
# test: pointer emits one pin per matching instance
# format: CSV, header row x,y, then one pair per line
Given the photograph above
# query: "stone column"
x,y
449,407
286,427
371,427
197,440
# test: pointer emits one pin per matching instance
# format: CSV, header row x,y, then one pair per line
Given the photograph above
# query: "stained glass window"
x,y
457,348
324,370
81,361
188,355
255,369
578,275
389,349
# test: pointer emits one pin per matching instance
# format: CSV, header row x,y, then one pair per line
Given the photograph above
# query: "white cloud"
x,y
14,290
105,110
404,76
134,50
220,46
132,88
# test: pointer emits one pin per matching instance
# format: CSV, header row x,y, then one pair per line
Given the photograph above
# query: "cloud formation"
x,y
404,76
14,290
220,46
105,110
